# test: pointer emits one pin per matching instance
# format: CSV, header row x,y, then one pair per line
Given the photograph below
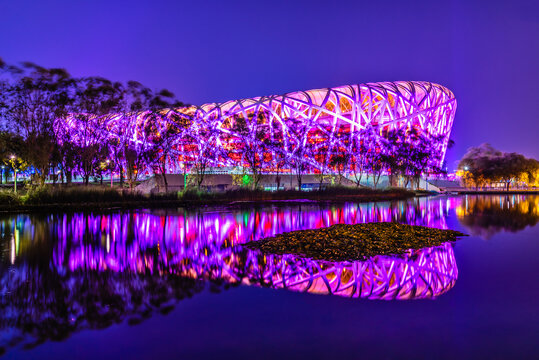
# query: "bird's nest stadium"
x,y
309,127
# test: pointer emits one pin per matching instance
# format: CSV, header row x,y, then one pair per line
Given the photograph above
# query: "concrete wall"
x,y
222,182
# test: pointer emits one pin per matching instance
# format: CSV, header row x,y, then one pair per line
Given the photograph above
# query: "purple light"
x,y
192,244
328,120
126,256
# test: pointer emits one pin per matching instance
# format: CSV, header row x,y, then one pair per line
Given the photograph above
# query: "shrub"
x,y
46,195
9,198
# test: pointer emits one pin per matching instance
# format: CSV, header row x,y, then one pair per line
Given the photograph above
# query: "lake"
x,y
178,284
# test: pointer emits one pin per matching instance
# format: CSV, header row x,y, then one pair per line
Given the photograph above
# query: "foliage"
x,y
485,165
253,143
50,119
76,196
9,198
53,121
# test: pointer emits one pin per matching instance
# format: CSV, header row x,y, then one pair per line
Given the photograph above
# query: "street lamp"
x,y
108,164
182,166
13,157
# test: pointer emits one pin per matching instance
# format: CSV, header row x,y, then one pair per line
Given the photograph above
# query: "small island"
x,y
354,242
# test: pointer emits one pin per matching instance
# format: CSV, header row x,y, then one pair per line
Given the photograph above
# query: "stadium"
x,y
280,133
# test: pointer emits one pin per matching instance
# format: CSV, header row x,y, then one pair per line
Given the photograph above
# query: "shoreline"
x,y
232,199
495,192
240,201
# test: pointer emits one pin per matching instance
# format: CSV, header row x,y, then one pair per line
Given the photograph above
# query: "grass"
x,y
103,197
9,198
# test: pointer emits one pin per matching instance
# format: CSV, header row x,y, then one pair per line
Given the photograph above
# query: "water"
x,y
178,284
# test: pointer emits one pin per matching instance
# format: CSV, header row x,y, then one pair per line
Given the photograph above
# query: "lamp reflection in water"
x,y
68,272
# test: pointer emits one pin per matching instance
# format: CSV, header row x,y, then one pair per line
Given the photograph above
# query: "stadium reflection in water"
x,y
207,245
64,272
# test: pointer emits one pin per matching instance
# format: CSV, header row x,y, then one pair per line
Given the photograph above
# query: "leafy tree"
x,y
164,129
484,164
95,100
375,156
208,148
358,153
299,153
33,99
253,140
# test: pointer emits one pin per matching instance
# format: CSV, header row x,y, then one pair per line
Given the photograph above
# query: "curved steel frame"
x,y
307,126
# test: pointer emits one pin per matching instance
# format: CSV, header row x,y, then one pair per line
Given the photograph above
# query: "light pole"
x,y
13,158
108,164
182,166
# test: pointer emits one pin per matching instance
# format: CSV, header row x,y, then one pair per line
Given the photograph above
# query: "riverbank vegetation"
x,y
344,242
77,197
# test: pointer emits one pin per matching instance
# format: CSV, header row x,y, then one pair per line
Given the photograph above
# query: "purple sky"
x,y
486,52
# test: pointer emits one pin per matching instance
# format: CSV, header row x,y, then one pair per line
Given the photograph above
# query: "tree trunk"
x,y
298,175
165,181
358,179
121,177
163,168
68,177
376,179
256,179
201,172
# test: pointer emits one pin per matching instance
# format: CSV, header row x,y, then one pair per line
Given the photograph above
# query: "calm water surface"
x,y
178,284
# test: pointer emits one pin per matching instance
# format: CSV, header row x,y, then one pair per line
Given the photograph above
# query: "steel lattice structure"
x,y
305,126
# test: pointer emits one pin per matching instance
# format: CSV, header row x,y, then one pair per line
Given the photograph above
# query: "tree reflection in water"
x,y
487,215
61,273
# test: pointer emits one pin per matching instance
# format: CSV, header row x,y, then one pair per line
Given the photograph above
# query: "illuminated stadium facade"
x,y
279,132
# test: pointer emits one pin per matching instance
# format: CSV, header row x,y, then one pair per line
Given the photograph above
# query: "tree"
x,y
209,149
375,156
97,100
163,128
424,155
79,124
531,172
34,98
358,154
12,152
484,164
250,140
339,162
299,153
161,139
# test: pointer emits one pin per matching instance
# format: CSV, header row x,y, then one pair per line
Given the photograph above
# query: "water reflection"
x,y
424,273
486,215
61,273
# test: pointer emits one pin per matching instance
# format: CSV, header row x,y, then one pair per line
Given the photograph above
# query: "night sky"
x,y
486,52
